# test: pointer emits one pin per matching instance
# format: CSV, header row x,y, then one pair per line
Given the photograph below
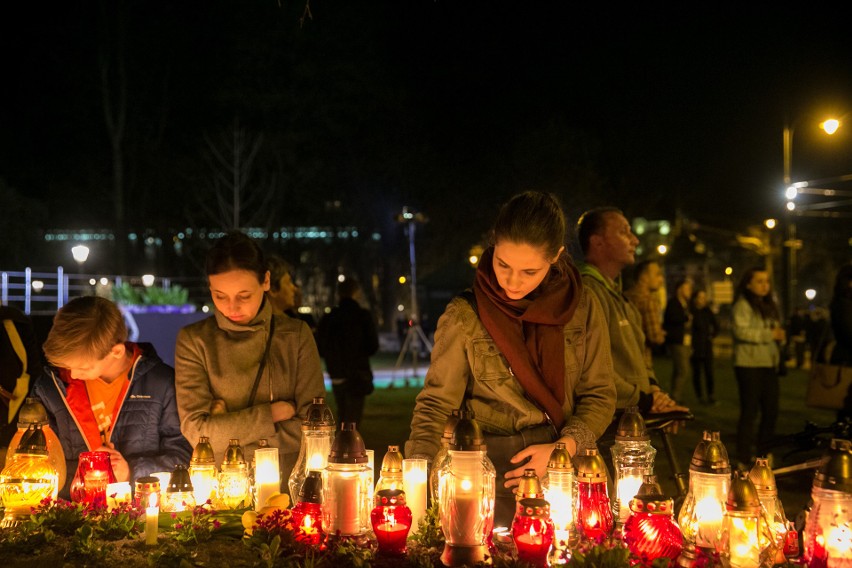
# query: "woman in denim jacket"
x,y
757,332
533,345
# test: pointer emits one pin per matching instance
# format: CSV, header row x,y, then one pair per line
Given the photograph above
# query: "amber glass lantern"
x,y
466,491
594,516
307,512
772,552
828,529
347,485
391,520
94,473
27,479
632,459
703,509
390,476
33,413
532,530
179,494
202,471
650,531
441,456
317,435
234,490
558,486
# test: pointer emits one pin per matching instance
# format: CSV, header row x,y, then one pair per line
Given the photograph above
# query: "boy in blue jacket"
x,y
104,393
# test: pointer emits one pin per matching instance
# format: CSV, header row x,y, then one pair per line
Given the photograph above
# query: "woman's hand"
x,y
282,410
119,464
539,455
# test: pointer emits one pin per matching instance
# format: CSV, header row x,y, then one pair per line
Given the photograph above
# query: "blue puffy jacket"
x,y
147,428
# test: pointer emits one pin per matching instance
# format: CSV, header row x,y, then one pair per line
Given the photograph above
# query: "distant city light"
x,y
473,259
770,223
791,206
205,308
148,280
662,249
403,280
104,280
810,293
791,193
728,271
665,228
92,281
341,278
400,308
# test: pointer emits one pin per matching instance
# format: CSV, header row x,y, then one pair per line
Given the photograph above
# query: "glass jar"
x,y
94,473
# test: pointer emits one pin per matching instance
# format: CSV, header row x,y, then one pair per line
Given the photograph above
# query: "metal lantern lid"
x,y
650,498
392,462
203,452
450,425
631,427
529,486
32,412
389,498
560,458
311,490
467,436
742,495
319,416
710,455
234,453
533,507
180,480
590,466
348,446
835,473
263,443
33,442
762,477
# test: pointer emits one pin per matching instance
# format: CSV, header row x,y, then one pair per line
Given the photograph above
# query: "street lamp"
x,y
80,254
792,244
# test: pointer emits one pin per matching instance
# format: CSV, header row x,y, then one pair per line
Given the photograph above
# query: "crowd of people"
x,y
542,349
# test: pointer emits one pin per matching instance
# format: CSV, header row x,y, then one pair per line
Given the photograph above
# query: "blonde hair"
x,y
87,327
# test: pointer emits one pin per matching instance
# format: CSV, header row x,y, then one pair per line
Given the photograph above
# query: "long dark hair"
x,y
236,251
534,218
763,305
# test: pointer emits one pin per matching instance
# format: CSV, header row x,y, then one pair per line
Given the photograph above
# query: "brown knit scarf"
x,y
529,331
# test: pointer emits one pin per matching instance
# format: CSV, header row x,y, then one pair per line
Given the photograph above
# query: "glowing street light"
x,y
810,294
148,280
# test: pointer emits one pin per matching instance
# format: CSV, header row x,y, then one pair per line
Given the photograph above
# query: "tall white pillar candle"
x,y
414,482
267,476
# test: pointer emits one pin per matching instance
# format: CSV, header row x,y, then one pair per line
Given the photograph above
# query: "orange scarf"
x,y
529,331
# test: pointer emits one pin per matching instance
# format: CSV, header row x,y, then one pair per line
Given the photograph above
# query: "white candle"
x,y
164,477
117,493
267,476
152,519
414,482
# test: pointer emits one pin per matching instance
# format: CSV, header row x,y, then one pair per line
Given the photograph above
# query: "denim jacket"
x,y
465,351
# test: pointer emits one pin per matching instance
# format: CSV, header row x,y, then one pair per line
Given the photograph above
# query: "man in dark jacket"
x,y
104,393
347,338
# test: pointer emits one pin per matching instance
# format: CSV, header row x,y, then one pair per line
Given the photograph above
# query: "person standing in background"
x,y
284,294
840,310
677,321
757,332
347,338
705,327
647,280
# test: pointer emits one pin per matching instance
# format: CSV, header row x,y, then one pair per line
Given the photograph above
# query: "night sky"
x,y
446,106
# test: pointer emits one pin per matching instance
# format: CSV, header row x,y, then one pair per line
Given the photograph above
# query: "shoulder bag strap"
x,y
22,385
262,361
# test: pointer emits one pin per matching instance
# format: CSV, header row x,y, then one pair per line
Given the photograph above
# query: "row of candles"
x,y
736,516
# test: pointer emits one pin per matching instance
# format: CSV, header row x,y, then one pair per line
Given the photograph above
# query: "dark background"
x,y
360,108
